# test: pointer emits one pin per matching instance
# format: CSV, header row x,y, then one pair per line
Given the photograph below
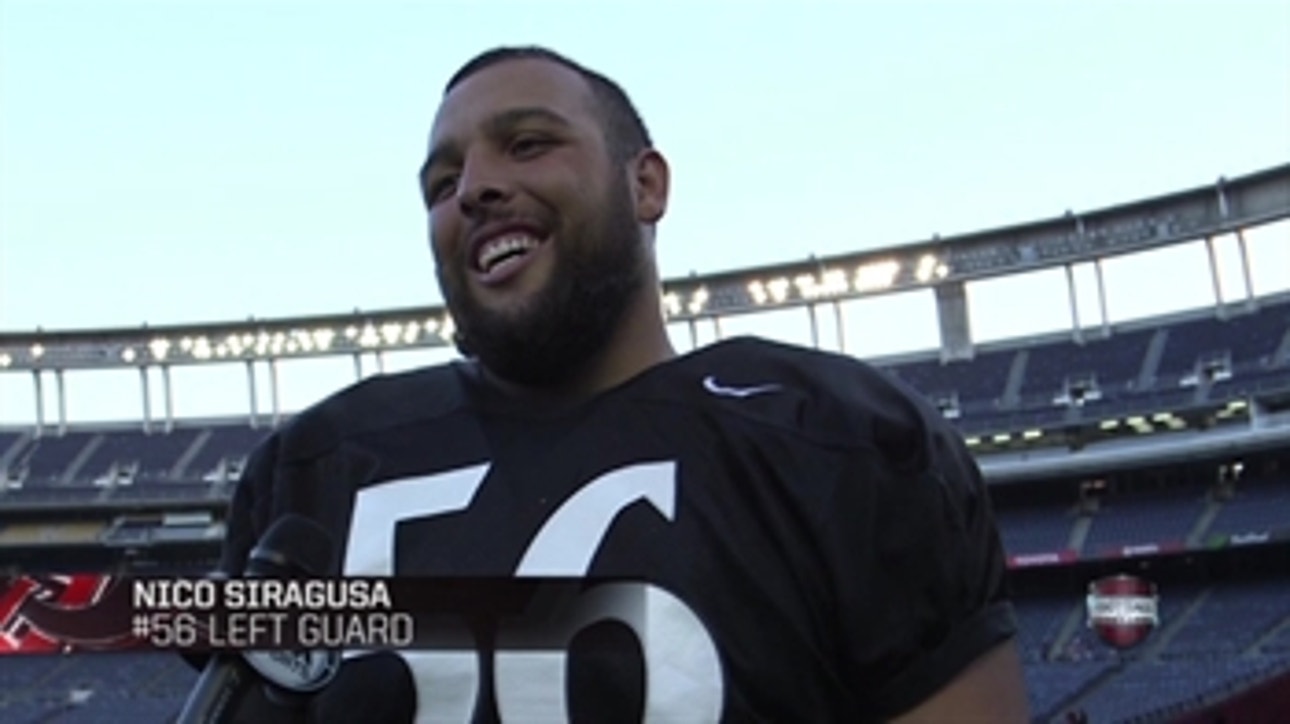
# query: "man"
x,y
792,536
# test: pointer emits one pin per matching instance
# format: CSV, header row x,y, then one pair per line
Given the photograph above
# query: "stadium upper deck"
x,y
1218,214
1105,385
1179,375
1208,387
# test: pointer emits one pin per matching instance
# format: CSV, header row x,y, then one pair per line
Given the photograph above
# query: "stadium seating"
x,y
1019,386
1278,643
1213,638
1040,622
1112,363
980,382
1207,644
1248,340
1050,683
152,456
1257,506
1232,619
1003,388
93,688
223,444
1034,530
8,439
1152,687
46,460
1127,519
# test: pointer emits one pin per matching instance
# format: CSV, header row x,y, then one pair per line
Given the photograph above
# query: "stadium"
x,y
1158,448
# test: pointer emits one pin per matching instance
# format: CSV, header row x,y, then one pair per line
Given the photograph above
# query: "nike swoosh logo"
x,y
711,385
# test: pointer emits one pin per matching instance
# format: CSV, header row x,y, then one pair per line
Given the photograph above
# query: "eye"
x,y
529,145
440,188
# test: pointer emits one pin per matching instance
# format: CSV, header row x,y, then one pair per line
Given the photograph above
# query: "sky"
x,y
170,161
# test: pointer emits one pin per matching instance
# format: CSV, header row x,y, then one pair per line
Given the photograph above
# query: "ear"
x,y
650,184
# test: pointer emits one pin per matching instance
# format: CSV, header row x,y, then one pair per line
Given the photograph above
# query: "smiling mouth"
x,y
505,251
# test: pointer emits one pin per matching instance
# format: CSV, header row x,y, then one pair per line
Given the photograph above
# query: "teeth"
x,y
502,246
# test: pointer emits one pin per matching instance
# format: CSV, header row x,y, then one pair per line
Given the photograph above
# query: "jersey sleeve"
x,y
248,509
917,560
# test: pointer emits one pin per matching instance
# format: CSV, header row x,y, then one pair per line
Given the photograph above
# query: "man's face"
x,y
533,227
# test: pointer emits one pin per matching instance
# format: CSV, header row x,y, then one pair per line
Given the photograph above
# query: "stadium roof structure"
x,y
945,265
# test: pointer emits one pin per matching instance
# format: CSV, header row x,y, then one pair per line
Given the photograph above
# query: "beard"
x,y
555,335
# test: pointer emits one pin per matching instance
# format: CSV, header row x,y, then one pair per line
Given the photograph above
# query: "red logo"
x,y
1123,609
63,612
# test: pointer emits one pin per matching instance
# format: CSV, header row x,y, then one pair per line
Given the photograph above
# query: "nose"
x,y
482,185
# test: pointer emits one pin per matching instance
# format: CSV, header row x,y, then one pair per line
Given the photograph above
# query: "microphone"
x,y
269,685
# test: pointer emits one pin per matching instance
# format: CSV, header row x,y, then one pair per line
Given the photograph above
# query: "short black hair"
x,y
625,132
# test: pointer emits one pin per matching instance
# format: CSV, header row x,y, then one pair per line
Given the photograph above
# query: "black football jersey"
x,y
794,536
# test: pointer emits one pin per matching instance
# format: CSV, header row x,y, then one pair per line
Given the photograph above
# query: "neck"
x,y
638,343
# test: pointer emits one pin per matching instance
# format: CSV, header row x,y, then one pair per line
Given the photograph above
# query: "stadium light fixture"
x,y
351,333
323,337
672,304
447,328
876,276
805,284
830,283
369,337
972,441
431,325
778,288
128,355
1109,424
698,300
757,291
1032,434
160,348
926,268
1001,437
411,332
834,282
303,341
201,348
37,351
5,360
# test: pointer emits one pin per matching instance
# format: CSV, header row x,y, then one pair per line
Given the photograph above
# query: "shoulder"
x,y
830,396
371,405
282,473
829,371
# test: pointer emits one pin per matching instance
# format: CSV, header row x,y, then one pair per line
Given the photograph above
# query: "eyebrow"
x,y
497,125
